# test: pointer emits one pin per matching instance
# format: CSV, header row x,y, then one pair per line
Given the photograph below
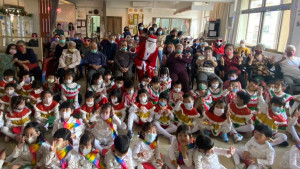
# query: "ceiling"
x,y
76,1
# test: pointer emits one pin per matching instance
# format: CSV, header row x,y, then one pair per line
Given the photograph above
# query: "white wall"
x,y
32,7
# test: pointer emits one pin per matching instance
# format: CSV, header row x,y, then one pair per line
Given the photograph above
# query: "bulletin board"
x,y
81,27
135,16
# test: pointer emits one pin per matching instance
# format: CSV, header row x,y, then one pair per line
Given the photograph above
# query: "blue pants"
x,y
80,67
160,57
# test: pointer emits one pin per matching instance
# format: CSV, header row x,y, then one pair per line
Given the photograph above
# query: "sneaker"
x,y
240,166
224,137
237,137
284,144
206,132
130,134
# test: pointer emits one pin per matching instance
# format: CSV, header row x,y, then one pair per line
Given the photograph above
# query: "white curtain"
x,y
221,11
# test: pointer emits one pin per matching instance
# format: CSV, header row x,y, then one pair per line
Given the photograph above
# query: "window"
x,y
266,22
173,23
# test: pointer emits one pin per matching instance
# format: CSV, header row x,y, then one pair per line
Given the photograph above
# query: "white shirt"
x,y
291,159
291,67
151,154
112,163
173,153
203,161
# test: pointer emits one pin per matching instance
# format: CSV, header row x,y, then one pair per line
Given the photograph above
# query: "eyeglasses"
x,y
219,40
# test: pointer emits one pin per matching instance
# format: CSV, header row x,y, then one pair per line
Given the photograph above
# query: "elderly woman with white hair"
x,y
69,59
242,49
290,67
260,64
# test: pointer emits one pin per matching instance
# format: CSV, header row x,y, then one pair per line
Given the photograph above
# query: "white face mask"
x,y
10,92
243,45
177,90
68,81
119,85
189,106
218,112
277,89
150,137
99,82
20,108
85,151
115,100
31,140
89,104
214,86
143,99
38,91
143,83
10,79
66,115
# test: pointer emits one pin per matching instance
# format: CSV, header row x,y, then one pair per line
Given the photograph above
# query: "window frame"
x,y
171,22
262,10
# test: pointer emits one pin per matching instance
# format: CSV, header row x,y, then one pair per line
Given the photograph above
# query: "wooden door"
x,y
45,17
114,24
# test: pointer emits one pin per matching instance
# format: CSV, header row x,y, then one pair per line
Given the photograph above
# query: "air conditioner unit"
x,y
142,4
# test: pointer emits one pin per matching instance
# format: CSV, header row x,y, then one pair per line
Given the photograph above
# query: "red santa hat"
x,y
152,38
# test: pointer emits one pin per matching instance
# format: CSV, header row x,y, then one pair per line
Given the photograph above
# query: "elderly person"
x,y
62,45
7,60
260,65
27,61
123,62
242,49
95,60
69,59
290,67
176,63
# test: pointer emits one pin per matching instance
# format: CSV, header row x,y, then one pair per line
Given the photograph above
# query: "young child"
x,y
291,158
251,89
87,150
35,94
129,96
52,84
215,89
69,122
98,88
176,93
2,157
267,88
115,97
165,80
154,89
206,155
233,75
25,85
105,127
5,100
184,111
203,97
144,84
216,120
181,150
16,119
164,117
46,111
271,116
120,155
294,126
62,155
107,81
257,153
240,116
31,149
70,89
8,78
88,108
140,112
119,84
146,149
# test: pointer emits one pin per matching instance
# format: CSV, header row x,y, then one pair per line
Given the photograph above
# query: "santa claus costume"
x,y
146,58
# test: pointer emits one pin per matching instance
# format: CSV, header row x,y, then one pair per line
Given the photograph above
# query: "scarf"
x,y
33,149
113,131
122,162
152,145
61,154
92,157
180,157
71,125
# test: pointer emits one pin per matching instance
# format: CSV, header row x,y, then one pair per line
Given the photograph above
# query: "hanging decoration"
x,y
16,12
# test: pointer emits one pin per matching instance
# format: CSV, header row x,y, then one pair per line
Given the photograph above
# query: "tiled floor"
x,y
164,144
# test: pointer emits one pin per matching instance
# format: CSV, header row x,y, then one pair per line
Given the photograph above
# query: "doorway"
x,y
114,24
93,26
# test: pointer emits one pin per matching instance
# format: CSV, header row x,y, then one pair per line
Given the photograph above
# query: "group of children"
x,y
85,134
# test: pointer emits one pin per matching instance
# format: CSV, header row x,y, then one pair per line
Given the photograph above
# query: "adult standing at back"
x,y
172,38
59,30
109,50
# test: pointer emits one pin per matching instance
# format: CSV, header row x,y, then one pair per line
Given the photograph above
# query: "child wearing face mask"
x,y
144,84
70,89
241,116
293,126
184,111
176,93
140,112
271,115
119,84
109,83
120,155
251,89
25,86
154,89
35,95
31,149
146,149
98,88
269,87
52,84
164,117
165,80
206,155
129,96
105,125
216,121
62,155
8,78
5,100
215,89
230,93
232,74
181,150
69,122
16,119
46,111
87,150
115,97
88,108
202,96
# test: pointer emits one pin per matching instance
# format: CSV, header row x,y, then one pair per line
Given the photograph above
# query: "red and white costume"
x,y
140,113
165,83
2,86
102,99
154,95
87,112
5,103
24,88
36,96
185,116
174,96
109,86
43,112
146,61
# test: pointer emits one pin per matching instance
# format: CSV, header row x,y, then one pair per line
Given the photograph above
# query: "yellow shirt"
x,y
240,49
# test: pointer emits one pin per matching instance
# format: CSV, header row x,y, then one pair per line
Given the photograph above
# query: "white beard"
x,y
150,47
